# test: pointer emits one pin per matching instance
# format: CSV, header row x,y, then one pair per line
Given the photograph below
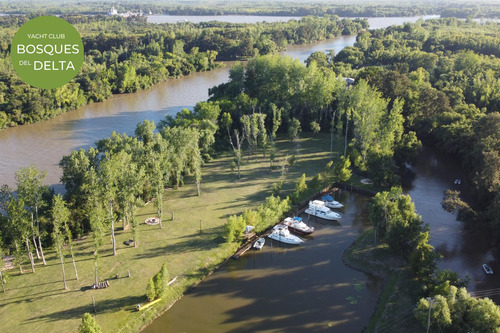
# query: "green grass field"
x,y
38,302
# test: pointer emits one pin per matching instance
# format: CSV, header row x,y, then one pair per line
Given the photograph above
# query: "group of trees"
x,y
20,228
107,183
452,309
313,98
261,218
127,55
436,81
157,285
103,185
445,74
396,223
360,8
444,304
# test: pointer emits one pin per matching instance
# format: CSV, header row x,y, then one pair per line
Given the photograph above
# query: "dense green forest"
x,y
358,8
447,73
124,55
435,81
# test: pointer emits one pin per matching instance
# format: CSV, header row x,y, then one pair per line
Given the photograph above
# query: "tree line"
x,y
104,184
360,8
444,77
315,98
444,303
125,55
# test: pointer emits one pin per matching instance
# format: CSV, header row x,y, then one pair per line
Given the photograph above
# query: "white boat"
x,y
296,225
487,269
259,243
318,208
330,203
282,234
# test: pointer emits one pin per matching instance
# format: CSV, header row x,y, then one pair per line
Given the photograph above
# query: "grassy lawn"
x,y
38,302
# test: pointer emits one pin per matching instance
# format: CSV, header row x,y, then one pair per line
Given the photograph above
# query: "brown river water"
x,y
281,288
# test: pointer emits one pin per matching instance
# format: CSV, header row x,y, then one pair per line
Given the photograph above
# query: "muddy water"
x,y
44,144
284,288
464,249
308,288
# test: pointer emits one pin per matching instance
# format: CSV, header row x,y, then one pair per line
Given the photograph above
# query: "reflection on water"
x,y
308,288
284,288
464,249
44,144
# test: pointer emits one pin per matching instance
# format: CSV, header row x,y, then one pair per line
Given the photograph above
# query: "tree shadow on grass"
x,y
207,240
32,285
104,306
37,296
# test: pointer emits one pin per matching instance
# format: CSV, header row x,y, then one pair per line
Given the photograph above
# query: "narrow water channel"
x,y
284,288
309,289
306,288
464,249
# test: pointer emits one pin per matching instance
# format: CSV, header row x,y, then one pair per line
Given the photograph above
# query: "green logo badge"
x,y
47,52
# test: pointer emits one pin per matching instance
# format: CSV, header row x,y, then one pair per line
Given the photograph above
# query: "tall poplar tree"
x,y
109,172
30,188
60,215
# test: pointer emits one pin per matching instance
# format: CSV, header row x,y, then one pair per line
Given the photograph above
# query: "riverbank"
x,y
39,302
396,303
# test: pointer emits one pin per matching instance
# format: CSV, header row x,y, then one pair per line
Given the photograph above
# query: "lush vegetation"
x,y
189,253
124,55
357,8
435,81
314,99
445,75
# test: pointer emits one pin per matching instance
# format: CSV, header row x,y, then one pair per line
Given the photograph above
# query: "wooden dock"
x,y
302,207
249,243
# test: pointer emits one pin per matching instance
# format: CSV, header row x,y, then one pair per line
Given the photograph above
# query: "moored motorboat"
x,y
259,243
296,225
330,203
282,234
487,269
318,208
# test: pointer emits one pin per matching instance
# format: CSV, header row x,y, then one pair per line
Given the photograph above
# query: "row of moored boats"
x,y
283,232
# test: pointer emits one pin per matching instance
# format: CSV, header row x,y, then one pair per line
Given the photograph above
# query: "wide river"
x,y
281,288
44,144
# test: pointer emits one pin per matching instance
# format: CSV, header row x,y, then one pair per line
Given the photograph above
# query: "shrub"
x,y
89,325
276,189
315,128
234,228
151,290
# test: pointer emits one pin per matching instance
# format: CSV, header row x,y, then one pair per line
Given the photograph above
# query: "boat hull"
x,y
487,269
334,205
296,226
300,231
293,240
259,244
331,217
